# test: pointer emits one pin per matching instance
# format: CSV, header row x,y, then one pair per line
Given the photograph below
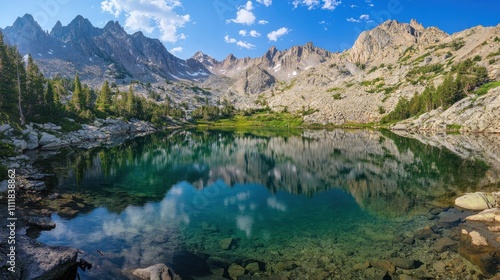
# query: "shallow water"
x,y
297,202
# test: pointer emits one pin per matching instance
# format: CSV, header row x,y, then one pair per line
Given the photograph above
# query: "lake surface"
x,y
292,202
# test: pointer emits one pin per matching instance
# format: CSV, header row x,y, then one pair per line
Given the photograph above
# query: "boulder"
x,y
403,263
20,144
47,139
235,271
486,216
475,201
155,272
32,140
476,248
444,244
44,262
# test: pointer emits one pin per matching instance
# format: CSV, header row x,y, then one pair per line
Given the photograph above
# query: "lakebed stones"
x,y
227,243
236,271
156,272
475,201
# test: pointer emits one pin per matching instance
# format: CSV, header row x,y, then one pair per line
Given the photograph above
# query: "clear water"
x,y
306,202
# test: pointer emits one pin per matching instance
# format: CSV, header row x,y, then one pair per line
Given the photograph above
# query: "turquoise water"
x,y
296,202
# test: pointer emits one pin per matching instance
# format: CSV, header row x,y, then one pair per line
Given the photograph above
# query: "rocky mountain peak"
x,y
392,36
23,30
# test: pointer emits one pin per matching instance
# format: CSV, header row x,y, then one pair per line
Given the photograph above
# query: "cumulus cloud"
x,y
240,43
274,35
266,3
244,15
254,33
363,17
147,16
330,4
176,50
262,21
313,4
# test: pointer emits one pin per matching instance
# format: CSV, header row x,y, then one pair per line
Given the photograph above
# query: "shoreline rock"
x,y
479,239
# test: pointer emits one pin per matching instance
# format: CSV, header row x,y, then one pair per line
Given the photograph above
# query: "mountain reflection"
x,y
385,173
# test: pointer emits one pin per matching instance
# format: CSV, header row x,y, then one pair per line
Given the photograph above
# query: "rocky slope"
x,y
471,114
364,83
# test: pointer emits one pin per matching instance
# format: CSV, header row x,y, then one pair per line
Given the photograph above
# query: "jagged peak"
x,y
57,25
80,21
27,19
230,57
415,24
112,24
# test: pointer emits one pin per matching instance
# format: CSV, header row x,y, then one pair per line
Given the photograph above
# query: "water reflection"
x,y
386,174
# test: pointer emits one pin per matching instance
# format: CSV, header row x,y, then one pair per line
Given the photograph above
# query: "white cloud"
x,y
313,4
244,15
176,50
240,43
263,22
330,4
363,17
147,16
266,3
274,35
243,32
254,33
229,40
245,45
353,6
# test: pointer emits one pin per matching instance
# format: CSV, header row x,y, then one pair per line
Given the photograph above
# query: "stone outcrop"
x,y
101,131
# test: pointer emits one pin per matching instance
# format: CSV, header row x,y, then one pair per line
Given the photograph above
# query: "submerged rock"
x,y
236,271
156,272
444,244
226,243
476,247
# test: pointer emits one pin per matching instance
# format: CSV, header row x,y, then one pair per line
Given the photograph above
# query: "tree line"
x,y
461,81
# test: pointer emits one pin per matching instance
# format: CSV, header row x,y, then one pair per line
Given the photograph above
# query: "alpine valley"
x,y
357,86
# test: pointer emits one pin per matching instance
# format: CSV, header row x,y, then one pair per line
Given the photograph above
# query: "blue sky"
x,y
250,28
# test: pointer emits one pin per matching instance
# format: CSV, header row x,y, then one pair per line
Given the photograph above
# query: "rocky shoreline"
x,y
35,260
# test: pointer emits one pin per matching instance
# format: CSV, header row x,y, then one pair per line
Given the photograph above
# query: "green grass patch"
x,y
453,127
258,119
333,89
337,96
486,87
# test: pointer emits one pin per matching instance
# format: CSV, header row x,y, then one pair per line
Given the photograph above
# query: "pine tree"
x,y
8,83
49,101
33,96
78,99
103,101
131,105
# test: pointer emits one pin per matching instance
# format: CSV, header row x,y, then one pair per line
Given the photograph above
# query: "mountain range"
x,y
359,85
